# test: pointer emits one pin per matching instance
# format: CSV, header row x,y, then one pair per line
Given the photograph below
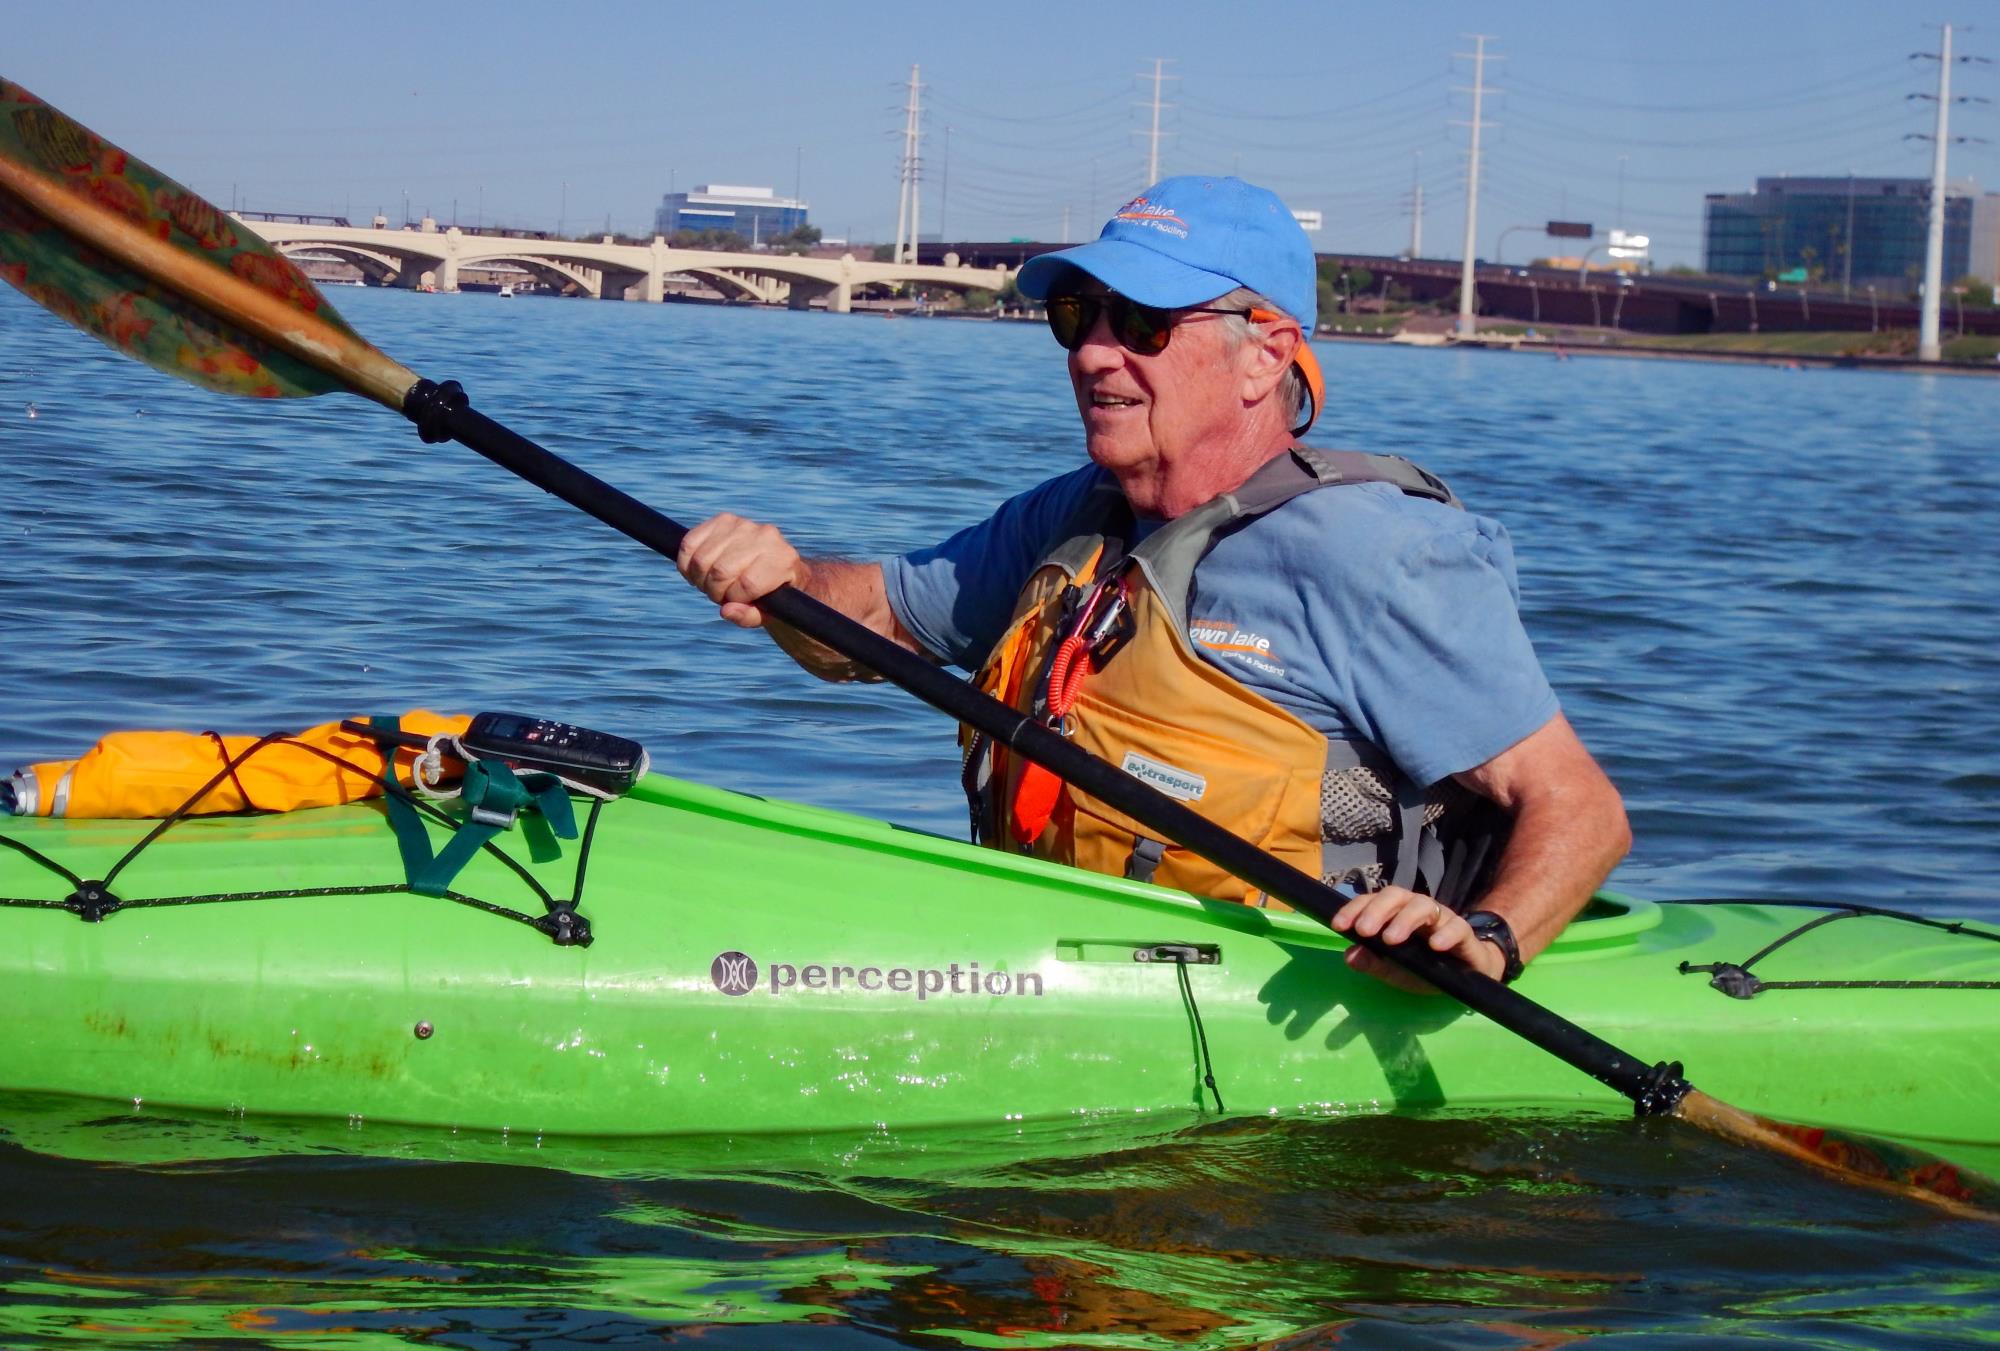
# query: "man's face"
x,y
1163,424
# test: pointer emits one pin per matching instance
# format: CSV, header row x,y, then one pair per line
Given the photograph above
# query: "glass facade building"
x,y
755,213
1867,231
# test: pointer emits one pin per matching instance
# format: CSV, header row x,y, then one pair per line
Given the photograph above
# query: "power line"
x,y
1064,118
1838,87
1371,105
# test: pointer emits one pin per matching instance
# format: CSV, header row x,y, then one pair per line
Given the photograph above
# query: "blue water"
x,y
1769,599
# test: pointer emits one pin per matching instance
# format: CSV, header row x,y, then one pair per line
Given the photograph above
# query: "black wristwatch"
x,y
1490,928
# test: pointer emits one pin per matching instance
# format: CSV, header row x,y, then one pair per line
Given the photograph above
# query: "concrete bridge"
x,y
426,255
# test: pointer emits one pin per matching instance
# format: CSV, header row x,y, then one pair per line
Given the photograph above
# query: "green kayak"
x,y
758,966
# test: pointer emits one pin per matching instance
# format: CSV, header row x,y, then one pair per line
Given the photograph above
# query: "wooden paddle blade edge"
x,y
1880,1165
47,141
136,318
159,294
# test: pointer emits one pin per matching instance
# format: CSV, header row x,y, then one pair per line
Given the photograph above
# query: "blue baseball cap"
x,y
1188,239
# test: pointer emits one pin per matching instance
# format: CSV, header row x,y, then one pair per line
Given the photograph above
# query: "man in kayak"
x,y
1321,651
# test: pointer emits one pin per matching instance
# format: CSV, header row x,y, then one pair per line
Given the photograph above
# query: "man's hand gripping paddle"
x,y
129,255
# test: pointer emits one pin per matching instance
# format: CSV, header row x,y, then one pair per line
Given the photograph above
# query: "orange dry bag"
x,y
140,775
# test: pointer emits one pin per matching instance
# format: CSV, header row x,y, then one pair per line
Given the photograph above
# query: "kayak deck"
x,y
763,966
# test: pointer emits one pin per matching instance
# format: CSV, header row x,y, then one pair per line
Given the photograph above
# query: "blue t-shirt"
x,y
1367,613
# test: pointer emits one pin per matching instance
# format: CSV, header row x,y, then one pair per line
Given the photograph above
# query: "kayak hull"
x,y
767,967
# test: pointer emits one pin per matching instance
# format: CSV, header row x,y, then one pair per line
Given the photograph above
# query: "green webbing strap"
x,y
412,840
495,797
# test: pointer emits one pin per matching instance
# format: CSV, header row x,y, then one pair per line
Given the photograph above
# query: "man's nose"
x,y
1099,348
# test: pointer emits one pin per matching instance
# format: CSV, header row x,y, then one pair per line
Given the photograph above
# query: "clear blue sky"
x,y
531,114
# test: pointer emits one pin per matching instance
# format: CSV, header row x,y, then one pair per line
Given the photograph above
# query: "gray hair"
x,y
1240,328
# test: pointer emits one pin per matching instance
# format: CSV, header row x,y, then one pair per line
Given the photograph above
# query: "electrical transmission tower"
x,y
909,203
1417,207
1467,299
1153,154
1929,348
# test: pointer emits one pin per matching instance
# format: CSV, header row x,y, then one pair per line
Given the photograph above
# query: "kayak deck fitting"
x,y
761,966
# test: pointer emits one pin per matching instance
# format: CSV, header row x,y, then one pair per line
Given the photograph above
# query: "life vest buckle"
x,y
1108,633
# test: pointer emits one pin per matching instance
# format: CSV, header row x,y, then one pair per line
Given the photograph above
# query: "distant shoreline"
x,y
1790,360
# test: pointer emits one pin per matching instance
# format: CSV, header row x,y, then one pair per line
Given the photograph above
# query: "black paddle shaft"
x,y
443,413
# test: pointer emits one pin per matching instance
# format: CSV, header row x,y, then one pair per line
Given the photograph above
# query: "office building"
x,y
1841,231
755,213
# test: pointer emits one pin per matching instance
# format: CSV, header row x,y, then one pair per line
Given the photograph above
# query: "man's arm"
x,y
734,562
1569,831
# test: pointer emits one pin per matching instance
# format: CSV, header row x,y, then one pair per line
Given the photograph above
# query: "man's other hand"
x,y
1395,915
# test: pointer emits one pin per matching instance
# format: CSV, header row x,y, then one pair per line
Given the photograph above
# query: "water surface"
x,y
1766,597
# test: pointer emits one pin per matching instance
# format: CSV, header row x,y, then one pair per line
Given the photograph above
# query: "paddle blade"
x,y
1878,1164
42,253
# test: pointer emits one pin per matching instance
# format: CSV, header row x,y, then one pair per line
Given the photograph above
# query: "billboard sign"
x,y
1570,229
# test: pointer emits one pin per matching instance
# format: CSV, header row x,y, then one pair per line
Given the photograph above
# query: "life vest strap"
x,y
1145,859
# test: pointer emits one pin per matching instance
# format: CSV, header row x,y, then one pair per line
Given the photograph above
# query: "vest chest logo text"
x,y
1225,639
1178,783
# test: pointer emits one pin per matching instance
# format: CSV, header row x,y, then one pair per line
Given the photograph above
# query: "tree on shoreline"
x,y
727,241
796,241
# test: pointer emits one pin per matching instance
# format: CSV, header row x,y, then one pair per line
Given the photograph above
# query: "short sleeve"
x,y
955,597
1443,673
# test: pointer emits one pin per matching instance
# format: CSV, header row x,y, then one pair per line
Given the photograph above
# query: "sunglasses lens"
x,y
1070,317
1142,328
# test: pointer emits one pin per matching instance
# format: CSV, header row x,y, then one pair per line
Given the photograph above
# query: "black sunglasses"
x,y
1143,329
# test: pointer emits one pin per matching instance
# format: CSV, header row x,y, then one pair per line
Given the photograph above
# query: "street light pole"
x,y
1500,244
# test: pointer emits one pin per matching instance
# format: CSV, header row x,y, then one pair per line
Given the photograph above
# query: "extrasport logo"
x,y
1142,212
736,973
1169,779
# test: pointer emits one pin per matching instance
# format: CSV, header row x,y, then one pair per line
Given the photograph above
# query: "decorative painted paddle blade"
x,y
1868,1161
136,315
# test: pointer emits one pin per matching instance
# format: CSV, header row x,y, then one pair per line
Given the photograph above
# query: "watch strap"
x,y
1491,928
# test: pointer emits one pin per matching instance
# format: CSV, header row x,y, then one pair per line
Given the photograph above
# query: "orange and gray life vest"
x,y
1098,648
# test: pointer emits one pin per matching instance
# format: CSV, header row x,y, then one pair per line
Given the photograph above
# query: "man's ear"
x,y
1275,345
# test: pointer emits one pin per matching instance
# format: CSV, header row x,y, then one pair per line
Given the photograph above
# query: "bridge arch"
x,y
379,269
544,270
726,280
